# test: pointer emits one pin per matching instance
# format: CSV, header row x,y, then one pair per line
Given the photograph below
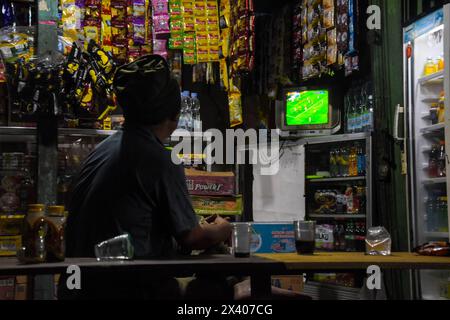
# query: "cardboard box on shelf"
x,y
7,286
227,206
273,238
291,283
20,292
9,245
11,225
203,183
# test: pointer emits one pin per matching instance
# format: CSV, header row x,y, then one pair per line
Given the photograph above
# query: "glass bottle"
x,y
55,238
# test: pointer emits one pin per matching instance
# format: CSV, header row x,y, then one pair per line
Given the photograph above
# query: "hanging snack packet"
x,y
175,9
69,19
235,108
176,43
139,9
161,24
118,10
189,24
176,26
224,81
160,7
202,54
189,56
201,24
138,31
199,8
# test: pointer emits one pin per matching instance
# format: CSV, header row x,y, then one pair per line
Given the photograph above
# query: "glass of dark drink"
x,y
305,236
241,239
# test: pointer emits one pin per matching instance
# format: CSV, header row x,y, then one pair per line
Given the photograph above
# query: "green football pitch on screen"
x,y
307,108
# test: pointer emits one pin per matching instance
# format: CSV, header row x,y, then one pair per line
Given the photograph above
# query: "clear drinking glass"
x,y
118,248
305,236
378,242
241,239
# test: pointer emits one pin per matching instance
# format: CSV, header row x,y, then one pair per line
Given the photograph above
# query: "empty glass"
x,y
378,242
241,239
305,236
118,248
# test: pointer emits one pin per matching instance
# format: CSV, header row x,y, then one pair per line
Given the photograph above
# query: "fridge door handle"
x,y
398,109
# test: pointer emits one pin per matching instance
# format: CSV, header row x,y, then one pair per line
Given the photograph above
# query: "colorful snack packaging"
x,y
189,24
176,26
189,40
213,54
119,32
201,24
160,7
225,43
199,8
189,56
212,23
176,43
214,39
235,108
202,54
175,9
202,39
224,81
159,45
69,19
139,9
138,31
161,24
118,10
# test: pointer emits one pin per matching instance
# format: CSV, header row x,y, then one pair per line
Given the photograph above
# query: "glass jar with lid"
x,y
55,239
33,235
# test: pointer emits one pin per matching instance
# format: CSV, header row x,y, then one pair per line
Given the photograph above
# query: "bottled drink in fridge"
x,y
431,207
350,237
443,215
357,111
334,171
370,110
337,155
343,165
441,170
195,107
353,162
361,161
433,162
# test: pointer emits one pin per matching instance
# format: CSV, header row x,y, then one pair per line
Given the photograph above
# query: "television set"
x,y
307,110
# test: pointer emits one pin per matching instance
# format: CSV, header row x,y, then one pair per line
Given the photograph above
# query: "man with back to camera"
x,y
129,184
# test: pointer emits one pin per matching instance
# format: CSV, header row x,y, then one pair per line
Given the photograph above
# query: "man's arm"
x,y
206,236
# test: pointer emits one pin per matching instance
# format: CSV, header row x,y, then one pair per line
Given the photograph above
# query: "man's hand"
x,y
207,235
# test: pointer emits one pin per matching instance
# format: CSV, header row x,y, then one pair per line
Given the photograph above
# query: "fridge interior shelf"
x,y
346,179
435,78
437,235
337,216
434,129
432,181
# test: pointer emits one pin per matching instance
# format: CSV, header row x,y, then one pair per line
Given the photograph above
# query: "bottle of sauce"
x,y
33,236
441,108
55,238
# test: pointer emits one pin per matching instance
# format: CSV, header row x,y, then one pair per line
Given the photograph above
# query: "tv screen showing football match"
x,y
305,108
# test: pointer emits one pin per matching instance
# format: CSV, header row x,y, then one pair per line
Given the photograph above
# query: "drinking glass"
x,y
241,239
118,248
305,236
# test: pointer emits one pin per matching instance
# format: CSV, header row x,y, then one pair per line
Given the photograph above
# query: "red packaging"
x,y
210,183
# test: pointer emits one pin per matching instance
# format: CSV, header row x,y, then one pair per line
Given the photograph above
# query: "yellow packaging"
x,y
189,56
202,39
69,19
202,54
213,39
189,24
224,81
200,8
9,245
189,40
91,33
213,53
106,30
11,225
225,42
211,8
200,24
235,108
212,23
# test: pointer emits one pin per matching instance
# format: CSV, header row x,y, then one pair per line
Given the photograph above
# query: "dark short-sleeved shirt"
x,y
129,184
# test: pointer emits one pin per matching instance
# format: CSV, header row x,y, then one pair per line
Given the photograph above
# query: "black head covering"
x,y
146,92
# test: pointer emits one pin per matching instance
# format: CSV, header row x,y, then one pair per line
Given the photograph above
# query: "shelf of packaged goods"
x,y
337,216
435,78
437,235
434,129
344,179
433,181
